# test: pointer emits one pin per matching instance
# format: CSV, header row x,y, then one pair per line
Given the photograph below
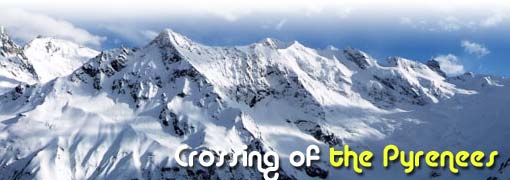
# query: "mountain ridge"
x,y
129,109
40,60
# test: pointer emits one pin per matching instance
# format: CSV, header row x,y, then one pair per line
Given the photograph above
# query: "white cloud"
x,y
148,34
474,48
406,21
444,24
450,64
344,13
493,20
452,22
132,34
280,24
26,26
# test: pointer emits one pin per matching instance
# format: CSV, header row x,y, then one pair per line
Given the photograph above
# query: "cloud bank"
x,y
451,22
26,26
493,20
450,64
474,48
131,34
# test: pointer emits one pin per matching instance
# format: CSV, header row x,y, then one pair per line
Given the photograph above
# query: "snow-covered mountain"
x,y
14,65
122,114
40,61
53,58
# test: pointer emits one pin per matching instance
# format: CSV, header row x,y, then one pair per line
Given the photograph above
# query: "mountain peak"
x,y
166,32
7,46
276,44
435,66
16,66
52,57
360,58
169,37
51,43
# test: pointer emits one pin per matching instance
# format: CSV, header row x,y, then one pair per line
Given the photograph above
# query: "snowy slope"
x,y
14,65
40,61
122,114
53,58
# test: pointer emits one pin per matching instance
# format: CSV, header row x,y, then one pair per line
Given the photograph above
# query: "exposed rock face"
x,y
434,65
14,64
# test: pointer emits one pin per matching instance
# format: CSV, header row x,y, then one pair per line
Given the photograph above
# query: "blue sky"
x,y
470,36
